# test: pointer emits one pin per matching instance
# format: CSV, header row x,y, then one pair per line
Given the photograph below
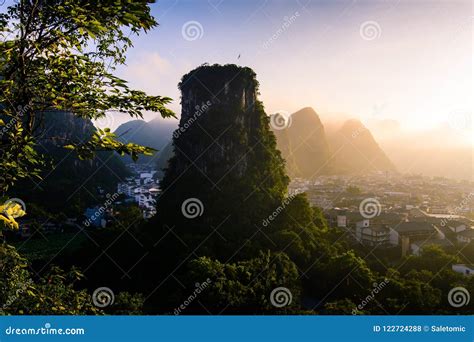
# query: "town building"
x,y
375,235
466,236
406,233
464,269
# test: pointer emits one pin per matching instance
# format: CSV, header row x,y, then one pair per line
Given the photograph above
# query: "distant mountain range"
x,y
155,133
309,151
311,147
69,184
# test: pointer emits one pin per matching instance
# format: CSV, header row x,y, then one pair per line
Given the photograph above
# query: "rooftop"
x,y
471,266
377,228
407,227
438,242
469,233
455,223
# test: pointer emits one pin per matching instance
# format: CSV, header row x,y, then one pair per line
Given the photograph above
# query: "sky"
x,y
410,61
405,60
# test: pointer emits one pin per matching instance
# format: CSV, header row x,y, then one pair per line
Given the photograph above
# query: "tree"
x,y
413,293
60,55
127,304
127,217
341,307
51,294
347,272
432,258
247,285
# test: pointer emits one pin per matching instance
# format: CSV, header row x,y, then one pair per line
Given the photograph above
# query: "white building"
x,y
467,270
466,236
147,177
456,226
414,231
341,221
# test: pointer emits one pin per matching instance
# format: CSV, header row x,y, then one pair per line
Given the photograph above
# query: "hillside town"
x,y
141,188
390,210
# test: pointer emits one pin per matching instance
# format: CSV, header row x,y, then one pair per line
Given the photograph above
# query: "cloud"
x,y
152,73
147,71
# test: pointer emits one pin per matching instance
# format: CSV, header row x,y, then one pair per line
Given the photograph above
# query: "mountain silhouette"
x,y
309,151
355,151
155,133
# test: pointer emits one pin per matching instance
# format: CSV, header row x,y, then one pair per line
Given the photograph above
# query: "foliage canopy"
x,y
61,55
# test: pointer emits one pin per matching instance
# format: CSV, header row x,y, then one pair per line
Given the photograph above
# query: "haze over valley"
x,y
314,144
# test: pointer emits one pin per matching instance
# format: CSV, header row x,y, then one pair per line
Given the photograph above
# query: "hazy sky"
x,y
406,60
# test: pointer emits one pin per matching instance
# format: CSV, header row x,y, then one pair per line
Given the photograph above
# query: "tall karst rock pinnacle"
x,y
225,157
225,189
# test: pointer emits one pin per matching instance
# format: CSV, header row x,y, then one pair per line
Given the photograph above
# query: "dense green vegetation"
x,y
58,57
65,178
51,294
233,168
